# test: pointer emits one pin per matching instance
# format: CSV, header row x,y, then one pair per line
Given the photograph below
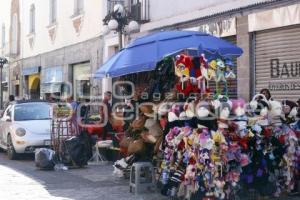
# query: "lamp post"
x,y
119,20
3,61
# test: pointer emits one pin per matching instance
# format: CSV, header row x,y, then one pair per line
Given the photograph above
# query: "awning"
x,y
30,70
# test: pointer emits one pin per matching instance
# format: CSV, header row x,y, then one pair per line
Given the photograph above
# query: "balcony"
x,y
138,9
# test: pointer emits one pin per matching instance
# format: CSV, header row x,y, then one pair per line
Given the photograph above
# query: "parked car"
x,y
25,126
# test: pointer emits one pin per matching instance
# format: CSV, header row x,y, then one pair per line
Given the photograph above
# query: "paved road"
x,y
21,180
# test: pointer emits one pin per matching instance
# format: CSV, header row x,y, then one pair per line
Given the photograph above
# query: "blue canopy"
x,y
143,53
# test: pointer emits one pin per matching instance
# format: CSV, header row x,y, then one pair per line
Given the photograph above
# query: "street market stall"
x,y
209,146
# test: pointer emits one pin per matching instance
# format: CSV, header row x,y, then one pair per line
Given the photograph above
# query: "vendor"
x,y
267,93
108,114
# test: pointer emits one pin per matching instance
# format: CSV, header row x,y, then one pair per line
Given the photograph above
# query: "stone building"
x,y
54,47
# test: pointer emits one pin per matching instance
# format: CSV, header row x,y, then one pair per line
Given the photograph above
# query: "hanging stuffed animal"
x,y
203,78
220,77
229,74
182,71
211,71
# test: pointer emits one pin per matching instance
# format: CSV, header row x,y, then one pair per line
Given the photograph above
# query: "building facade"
x,y
267,30
54,47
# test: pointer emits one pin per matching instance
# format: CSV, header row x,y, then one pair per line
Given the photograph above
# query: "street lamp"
x,y
3,61
119,20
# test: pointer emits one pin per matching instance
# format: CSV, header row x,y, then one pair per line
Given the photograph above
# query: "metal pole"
x,y
1,91
120,40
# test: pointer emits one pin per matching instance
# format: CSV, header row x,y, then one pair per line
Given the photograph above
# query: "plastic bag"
x,y
44,158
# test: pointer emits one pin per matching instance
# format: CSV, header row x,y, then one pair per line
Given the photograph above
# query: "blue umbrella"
x,y
143,53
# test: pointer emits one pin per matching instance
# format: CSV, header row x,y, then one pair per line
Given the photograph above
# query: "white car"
x,y
25,126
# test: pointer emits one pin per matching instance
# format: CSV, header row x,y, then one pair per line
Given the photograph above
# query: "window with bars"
x,y
52,11
78,7
112,3
32,19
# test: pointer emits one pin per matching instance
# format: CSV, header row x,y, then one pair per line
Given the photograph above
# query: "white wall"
x,y
160,9
4,18
65,35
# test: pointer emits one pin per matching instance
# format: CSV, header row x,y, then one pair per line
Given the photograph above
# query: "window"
x,y
3,36
52,11
32,19
78,7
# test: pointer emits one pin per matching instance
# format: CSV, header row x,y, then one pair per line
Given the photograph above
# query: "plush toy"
x,y
260,107
202,109
189,178
275,112
220,77
182,70
229,74
219,189
211,71
203,77
290,111
241,120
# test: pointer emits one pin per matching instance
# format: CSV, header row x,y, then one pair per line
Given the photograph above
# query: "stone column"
x,y
243,62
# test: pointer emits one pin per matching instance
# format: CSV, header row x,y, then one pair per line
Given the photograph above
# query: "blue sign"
x,y
30,70
52,75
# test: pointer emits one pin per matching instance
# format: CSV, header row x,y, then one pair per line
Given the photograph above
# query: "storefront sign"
x,y
288,74
222,28
50,88
52,75
30,70
285,69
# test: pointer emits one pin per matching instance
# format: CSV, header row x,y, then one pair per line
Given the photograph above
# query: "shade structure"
x,y
143,53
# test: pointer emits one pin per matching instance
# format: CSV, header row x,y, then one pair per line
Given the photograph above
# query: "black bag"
x,y
44,158
78,150
75,152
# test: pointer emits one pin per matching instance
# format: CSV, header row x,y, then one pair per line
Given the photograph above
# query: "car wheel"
x,y
11,153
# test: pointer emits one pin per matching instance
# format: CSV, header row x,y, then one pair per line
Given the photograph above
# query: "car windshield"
x,y
32,111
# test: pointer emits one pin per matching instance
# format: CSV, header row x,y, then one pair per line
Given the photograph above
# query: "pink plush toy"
x,y
238,107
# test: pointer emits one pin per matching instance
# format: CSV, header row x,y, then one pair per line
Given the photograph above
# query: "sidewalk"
x,y
102,183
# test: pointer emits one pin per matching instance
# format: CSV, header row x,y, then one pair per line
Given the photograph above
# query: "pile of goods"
x,y
217,147
221,147
214,147
142,140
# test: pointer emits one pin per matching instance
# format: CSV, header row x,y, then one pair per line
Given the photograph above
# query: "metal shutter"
x,y
278,48
232,84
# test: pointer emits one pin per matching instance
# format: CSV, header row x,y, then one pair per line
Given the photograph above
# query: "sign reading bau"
x,y
288,74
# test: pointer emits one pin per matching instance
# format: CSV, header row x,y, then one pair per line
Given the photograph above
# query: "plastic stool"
x,y
98,158
142,177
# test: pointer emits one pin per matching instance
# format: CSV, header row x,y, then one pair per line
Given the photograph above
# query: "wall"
x,y
65,33
161,9
4,18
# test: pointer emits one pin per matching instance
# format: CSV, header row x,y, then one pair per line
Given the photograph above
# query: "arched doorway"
x,y
34,86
